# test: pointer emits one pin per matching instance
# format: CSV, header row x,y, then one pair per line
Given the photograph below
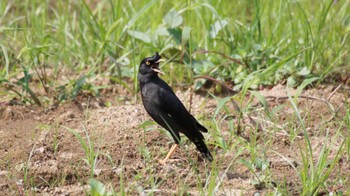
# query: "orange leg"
x,y
171,151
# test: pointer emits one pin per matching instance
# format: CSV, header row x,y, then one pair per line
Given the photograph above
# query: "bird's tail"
x,y
202,148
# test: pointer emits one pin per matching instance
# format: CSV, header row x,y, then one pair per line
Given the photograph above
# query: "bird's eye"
x,y
148,63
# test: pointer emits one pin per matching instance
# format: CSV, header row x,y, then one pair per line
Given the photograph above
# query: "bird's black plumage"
x,y
165,108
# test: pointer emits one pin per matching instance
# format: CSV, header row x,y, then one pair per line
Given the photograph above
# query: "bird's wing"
x,y
171,125
173,108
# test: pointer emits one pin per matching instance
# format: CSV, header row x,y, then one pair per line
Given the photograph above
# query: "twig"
x,y
285,133
217,82
270,123
4,104
305,97
336,112
335,90
20,188
164,191
215,52
255,124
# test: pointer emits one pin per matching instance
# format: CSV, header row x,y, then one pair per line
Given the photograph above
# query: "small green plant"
x,y
260,171
88,145
98,188
313,175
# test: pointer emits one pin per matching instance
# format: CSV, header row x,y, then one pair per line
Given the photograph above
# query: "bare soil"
x,y
39,154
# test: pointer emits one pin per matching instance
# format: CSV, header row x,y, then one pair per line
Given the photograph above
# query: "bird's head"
x,y
150,65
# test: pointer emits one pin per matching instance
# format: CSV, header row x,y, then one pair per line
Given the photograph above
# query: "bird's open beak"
x,y
160,60
156,67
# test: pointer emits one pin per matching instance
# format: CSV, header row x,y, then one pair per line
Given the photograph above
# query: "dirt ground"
x,y
40,154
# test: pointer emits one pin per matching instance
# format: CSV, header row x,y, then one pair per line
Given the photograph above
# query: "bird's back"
x,y
159,98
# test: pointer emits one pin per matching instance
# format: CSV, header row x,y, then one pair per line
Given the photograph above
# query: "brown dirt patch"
x,y
39,155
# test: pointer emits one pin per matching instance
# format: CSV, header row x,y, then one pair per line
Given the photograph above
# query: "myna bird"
x,y
166,109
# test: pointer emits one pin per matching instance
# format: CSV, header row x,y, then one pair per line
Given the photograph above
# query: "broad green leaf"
x,y
97,188
304,71
217,27
162,31
176,34
173,19
140,35
199,83
291,82
248,164
202,67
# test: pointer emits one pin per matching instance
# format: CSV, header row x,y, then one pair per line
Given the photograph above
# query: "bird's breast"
x,y
149,98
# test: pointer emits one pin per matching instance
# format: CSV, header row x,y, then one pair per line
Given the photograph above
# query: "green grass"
x,y
293,40
54,51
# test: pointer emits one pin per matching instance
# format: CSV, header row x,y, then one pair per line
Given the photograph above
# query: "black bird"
x,y
166,109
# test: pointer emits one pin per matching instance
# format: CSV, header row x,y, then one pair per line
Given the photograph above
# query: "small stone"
x,y
97,172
